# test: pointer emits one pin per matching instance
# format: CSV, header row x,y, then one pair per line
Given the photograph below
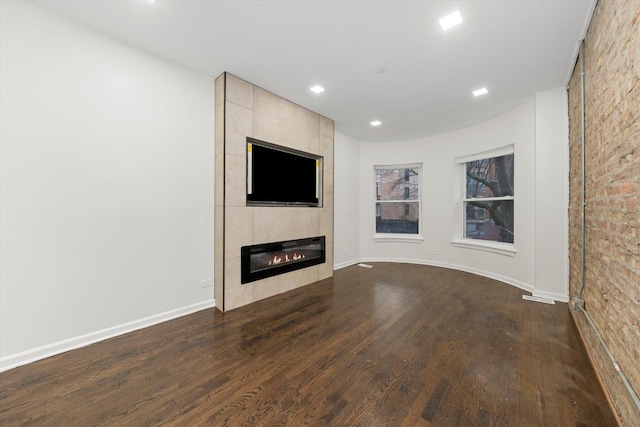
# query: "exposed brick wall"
x,y
612,215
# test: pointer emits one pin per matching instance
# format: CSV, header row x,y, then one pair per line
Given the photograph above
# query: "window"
x,y
398,200
487,204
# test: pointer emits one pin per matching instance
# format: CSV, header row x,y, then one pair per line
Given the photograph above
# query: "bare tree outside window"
x,y
397,199
489,199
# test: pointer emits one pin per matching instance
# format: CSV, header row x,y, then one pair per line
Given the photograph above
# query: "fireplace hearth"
x,y
270,259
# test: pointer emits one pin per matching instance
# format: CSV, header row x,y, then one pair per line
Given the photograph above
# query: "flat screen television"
x,y
280,176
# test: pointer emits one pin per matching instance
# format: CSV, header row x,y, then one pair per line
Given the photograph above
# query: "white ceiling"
x,y
513,47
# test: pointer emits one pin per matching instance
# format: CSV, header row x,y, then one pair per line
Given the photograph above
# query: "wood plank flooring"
x,y
394,345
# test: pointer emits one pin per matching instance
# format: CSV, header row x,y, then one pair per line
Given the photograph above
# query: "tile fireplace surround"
x,y
244,110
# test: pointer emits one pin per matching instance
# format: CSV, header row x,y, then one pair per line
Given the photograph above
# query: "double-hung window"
x,y
488,200
397,201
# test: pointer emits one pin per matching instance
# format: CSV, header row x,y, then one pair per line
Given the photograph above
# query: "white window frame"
x,y
459,239
399,237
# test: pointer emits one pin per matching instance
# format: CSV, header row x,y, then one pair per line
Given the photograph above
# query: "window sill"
x,y
496,248
388,237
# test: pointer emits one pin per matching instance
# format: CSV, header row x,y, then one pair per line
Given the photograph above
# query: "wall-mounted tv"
x,y
280,176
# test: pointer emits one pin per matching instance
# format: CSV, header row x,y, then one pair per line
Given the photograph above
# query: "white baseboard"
x,y
345,264
509,281
25,357
14,360
538,299
550,295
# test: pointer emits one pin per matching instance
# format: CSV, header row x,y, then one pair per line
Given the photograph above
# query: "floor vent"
x,y
365,265
538,299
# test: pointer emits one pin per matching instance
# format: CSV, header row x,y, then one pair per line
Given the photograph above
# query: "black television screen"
x,y
278,176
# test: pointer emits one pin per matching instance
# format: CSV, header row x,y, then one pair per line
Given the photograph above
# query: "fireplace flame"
x,y
279,260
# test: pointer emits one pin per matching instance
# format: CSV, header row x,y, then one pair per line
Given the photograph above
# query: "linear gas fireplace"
x,y
270,259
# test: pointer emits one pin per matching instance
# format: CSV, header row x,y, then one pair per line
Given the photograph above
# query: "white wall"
x,y
346,190
106,186
441,193
106,191
552,194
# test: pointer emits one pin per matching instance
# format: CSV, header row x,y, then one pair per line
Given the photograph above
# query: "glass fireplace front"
x,y
270,259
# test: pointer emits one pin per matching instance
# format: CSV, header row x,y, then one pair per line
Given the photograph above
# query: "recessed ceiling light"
x,y
317,89
451,20
480,91
379,70
375,123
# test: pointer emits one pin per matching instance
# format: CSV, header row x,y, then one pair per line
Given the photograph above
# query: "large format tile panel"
x,y
218,247
239,230
239,91
326,151
285,282
250,111
327,128
270,129
235,180
239,125
281,109
278,224
236,294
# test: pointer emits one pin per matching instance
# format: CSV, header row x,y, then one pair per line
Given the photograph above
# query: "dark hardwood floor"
x,y
394,345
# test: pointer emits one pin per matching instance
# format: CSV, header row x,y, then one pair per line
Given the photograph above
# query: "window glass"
x,y
488,205
397,200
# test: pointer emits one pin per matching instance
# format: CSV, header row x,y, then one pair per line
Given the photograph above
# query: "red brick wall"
x,y
612,181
